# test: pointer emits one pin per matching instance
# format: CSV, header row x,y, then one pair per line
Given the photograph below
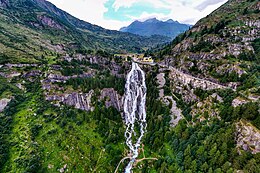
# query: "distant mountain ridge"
x,y
153,26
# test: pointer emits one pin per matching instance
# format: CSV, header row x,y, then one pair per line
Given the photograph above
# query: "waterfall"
x,y
134,111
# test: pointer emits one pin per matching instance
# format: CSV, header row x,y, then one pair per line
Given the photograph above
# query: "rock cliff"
x,y
78,100
112,98
247,137
3,103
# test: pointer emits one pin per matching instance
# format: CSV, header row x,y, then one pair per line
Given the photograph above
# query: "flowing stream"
x,y
134,112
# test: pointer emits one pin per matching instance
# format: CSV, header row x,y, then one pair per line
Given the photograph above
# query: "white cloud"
x,y
128,3
89,10
211,3
185,11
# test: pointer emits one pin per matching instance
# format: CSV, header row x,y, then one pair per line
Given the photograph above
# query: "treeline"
x,y
97,82
158,119
74,67
204,148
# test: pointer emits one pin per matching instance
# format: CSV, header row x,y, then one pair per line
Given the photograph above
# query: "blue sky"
x,y
134,11
114,14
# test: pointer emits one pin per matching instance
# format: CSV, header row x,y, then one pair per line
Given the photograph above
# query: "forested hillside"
x,y
61,98
214,78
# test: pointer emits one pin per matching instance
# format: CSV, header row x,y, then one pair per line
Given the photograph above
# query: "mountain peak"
x,y
171,21
151,20
153,26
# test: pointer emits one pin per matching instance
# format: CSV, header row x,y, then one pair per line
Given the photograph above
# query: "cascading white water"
x,y
134,111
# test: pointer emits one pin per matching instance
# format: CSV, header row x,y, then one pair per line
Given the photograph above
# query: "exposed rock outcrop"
x,y
161,81
78,100
4,3
112,98
176,113
33,73
52,78
228,68
251,95
101,62
184,84
3,103
45,20
10,75
239,101
20,86
21,65
207,108
253,23
186,79
247,137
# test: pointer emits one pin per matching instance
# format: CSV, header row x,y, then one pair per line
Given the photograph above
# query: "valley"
x,y
75,97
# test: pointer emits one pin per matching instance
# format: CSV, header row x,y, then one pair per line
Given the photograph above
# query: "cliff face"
x,y
247,137
3,103
176,113
78,100
59,94
112,98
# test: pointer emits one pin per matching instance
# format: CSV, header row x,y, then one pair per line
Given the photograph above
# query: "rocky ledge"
x,y
112,98
207,108
3,103
247,137
78,100
176,113
187,79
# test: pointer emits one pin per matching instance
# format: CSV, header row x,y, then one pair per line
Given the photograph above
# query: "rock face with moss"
x,y
78,100
248,137
3,103
112,98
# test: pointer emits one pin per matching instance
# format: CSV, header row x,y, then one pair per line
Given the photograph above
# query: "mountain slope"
x,y
226,41
212,72
61,111
153,26
30,26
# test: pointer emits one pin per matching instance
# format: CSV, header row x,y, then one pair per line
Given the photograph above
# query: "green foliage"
x,y
201,93
256,46
167,50
247,56
202,46
36,136
219,26
167,86
4,58
98,82
69,71
6,120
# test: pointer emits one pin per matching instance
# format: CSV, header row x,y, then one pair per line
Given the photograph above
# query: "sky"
x,y
114,14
